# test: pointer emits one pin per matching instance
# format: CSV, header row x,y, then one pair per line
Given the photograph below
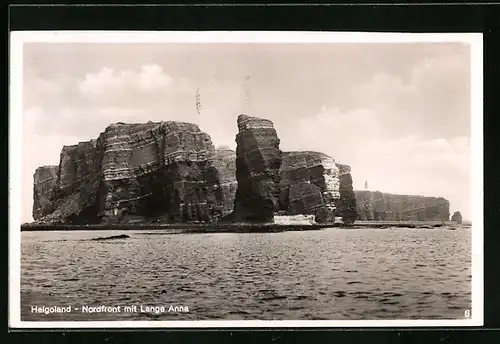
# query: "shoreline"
x,y
239,227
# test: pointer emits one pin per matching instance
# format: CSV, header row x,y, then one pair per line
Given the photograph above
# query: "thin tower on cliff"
x,y
366,184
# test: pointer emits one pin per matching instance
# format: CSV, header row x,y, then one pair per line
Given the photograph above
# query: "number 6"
x,y
467,313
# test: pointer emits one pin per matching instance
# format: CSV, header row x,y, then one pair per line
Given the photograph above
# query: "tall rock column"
x,y
347,202
258,162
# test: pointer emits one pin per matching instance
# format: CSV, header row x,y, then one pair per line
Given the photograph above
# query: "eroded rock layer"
x,y
309,184
258,162
132,172
378,206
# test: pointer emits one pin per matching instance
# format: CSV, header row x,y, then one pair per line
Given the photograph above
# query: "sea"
x,y
329,274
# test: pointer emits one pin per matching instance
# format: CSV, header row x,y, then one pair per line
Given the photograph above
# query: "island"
x,y
169,174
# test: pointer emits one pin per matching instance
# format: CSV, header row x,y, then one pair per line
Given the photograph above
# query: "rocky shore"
x,y
170,173
237,228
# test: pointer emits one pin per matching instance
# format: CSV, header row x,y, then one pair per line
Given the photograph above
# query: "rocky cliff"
x,y
378,206
171,172
309,184
44,183
258,162
347,201
167,170
225,163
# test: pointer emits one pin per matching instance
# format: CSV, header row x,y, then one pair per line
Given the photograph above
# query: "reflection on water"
x,y
333,274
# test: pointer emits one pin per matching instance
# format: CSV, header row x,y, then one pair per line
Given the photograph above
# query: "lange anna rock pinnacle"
x,y
258,162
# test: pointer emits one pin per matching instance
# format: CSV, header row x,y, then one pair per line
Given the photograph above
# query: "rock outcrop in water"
x,y
457,217
167,170
258,162
378,206
309,184
113,237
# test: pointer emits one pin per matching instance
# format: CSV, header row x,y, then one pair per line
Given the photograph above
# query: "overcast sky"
x,y
398,114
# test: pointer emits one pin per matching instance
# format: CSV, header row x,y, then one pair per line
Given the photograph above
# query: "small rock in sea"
x,y
163,291
122,236
457,217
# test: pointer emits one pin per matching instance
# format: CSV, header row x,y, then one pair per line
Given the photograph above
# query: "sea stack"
x,y
258,163
457,217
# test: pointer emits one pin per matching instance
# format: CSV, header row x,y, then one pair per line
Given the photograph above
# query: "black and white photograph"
x,y
245,179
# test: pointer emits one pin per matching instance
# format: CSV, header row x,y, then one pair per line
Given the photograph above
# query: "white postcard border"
x,y
18,38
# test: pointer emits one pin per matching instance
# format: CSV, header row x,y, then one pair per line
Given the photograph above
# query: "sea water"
x,y
330,274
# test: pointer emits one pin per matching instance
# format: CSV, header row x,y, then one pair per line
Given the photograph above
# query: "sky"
x,y
397,113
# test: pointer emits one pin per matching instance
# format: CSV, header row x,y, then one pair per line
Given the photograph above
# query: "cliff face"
x,y
378,206
225,163
162,170
309,184
78,177
171,172
347,201
45,180
258,162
